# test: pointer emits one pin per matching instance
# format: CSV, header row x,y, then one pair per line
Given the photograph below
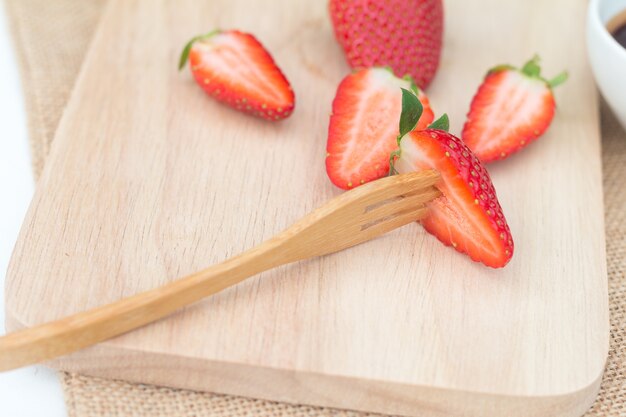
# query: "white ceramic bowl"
x,y
607,57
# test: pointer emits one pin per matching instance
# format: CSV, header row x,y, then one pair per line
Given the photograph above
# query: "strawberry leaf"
x,y
443,123
411,112
498,68
414,87
392,160
184,56
558,80
532,68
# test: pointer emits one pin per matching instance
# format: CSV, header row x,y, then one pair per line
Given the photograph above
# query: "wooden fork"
x,y
347,220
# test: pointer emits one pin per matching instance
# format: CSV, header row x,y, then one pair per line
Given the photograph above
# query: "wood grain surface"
x,y
149,180
350,219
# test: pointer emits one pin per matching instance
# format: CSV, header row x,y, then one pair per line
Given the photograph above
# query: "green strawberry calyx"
x,y
443,123
184,56
411,112
532,69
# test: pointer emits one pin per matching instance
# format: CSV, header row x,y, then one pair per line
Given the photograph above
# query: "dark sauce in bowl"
x,y
620,35
617,28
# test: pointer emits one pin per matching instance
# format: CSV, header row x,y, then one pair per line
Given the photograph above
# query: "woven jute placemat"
x,y
51,38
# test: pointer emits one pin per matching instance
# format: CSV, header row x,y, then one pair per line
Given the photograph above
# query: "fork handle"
x,y
341,223
49,340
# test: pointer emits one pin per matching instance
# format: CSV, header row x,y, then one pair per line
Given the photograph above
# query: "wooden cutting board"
x,y
150,180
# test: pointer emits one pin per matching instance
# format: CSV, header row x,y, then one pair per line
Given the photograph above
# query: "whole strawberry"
x,y
405,35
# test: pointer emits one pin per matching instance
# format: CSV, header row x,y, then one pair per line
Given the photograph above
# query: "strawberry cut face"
x,y
234,68
363,126
511,109
468,215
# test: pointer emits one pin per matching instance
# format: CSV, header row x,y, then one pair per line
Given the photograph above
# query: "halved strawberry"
x,y
234,68
511,109
468,215
363,127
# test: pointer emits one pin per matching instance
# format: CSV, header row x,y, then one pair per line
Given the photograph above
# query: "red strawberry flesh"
x,y
363,126
234,68
511,109
468,215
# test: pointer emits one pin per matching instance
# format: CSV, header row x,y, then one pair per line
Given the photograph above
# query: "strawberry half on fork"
x,y
233,67
467,216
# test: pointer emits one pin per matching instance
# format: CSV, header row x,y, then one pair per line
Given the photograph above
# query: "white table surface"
x,y
34,391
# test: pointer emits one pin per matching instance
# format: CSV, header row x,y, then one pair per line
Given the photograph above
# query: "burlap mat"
x,y
51,38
